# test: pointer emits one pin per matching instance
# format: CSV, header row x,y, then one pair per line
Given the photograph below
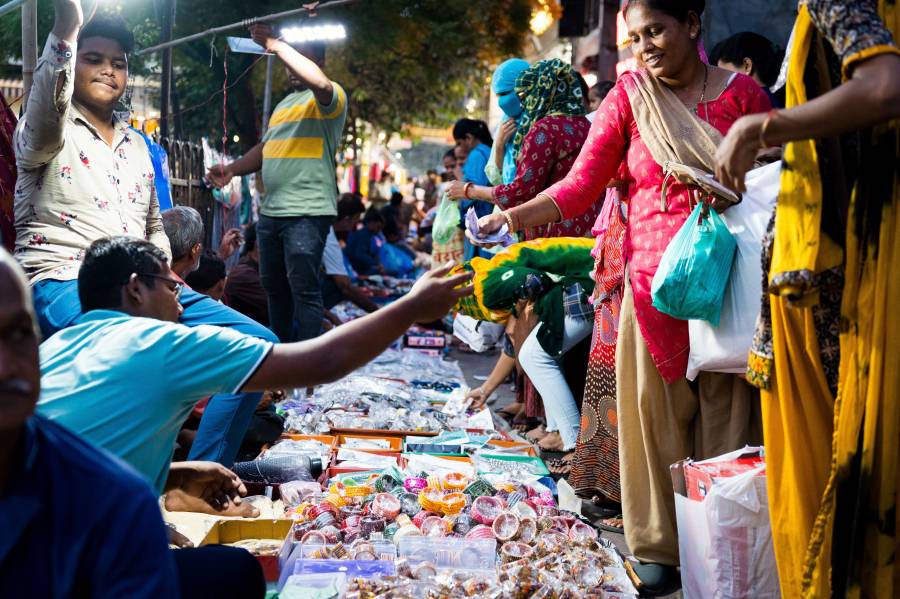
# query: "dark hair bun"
x,y
678,9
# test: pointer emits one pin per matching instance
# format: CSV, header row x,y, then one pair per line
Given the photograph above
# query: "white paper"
x,y
481,420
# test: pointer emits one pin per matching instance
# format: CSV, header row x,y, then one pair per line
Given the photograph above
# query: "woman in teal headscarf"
x,y
551,130
501,169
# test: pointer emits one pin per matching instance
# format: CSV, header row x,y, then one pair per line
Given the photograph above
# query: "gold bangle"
x,y
765,127
509,221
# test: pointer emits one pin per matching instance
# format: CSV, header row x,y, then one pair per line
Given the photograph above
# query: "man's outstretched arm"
x,y
350,346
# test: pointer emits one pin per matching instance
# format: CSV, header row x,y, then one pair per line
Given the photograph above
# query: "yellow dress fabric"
x,y
811,438
797,409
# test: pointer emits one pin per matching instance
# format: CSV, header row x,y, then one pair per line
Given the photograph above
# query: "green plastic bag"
x,y
690,281
446,221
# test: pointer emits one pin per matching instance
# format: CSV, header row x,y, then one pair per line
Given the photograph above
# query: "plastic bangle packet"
x,y
453,503
409,504
463,524
486,509
480,487
351,522
548,511
433,482
515,551
390,530
424,571
430,499
385,483
332,534
296,492
324,519
313,537
414,484
514,498
408,530
404,520
550,542
370,524
506,487
298,529
527,530
506,526
386,506
523,510
560,524
420,517
434,526
480,532
582,533
454,482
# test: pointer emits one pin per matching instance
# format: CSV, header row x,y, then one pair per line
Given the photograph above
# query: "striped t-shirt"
x,y
299,155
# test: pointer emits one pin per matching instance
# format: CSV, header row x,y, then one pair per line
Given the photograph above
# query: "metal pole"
x,y
245,23
11,6
267,97
29,47
165,35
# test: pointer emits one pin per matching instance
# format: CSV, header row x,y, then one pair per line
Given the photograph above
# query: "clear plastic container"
x,y
352,568
471,555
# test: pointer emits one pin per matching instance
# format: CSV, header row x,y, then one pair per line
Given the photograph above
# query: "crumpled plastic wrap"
x,y
366,402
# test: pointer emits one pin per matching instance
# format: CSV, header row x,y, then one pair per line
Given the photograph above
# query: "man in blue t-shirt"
x,y
126,374
76,521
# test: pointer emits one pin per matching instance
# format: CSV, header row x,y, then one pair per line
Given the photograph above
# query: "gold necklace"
x,y
703,91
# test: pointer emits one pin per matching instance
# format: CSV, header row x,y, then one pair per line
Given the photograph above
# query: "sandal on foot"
x,y
559,467
654,579
615,525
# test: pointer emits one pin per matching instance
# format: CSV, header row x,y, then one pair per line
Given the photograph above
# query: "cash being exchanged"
x,y
500,237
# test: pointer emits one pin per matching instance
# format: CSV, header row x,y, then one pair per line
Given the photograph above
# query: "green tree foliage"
x,y
404,61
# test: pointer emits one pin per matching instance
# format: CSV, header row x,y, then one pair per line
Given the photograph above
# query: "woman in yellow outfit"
x,y
827,347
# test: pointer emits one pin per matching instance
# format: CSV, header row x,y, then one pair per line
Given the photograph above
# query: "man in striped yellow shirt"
x,y
297,158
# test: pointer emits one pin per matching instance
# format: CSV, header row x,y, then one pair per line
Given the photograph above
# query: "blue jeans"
x,y
227,416
547,377
290,258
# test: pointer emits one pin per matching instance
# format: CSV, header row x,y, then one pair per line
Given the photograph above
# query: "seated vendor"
x,y
243,289
364,245
209,277
76,521
126,374
337,285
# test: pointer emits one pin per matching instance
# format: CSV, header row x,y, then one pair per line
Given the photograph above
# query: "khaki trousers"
x,y
660,424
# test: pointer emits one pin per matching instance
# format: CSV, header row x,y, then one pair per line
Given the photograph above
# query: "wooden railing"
x,y
186,174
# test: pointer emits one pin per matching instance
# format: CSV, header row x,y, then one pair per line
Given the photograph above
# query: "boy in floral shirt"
x,y
84,174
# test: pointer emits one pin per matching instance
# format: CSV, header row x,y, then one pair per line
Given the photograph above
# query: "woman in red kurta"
x,y
662,417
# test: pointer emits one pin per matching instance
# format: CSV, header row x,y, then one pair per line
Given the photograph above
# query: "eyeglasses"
x,y
175,287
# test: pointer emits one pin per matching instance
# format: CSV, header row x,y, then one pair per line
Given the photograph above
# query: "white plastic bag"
x,y
741,554
724,348
725,540
477,334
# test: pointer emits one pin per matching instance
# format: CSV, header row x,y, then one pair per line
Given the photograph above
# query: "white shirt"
x,y
333,257
73,188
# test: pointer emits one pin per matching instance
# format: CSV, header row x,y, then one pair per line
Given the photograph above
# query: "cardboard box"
x,y
232,531
699,477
